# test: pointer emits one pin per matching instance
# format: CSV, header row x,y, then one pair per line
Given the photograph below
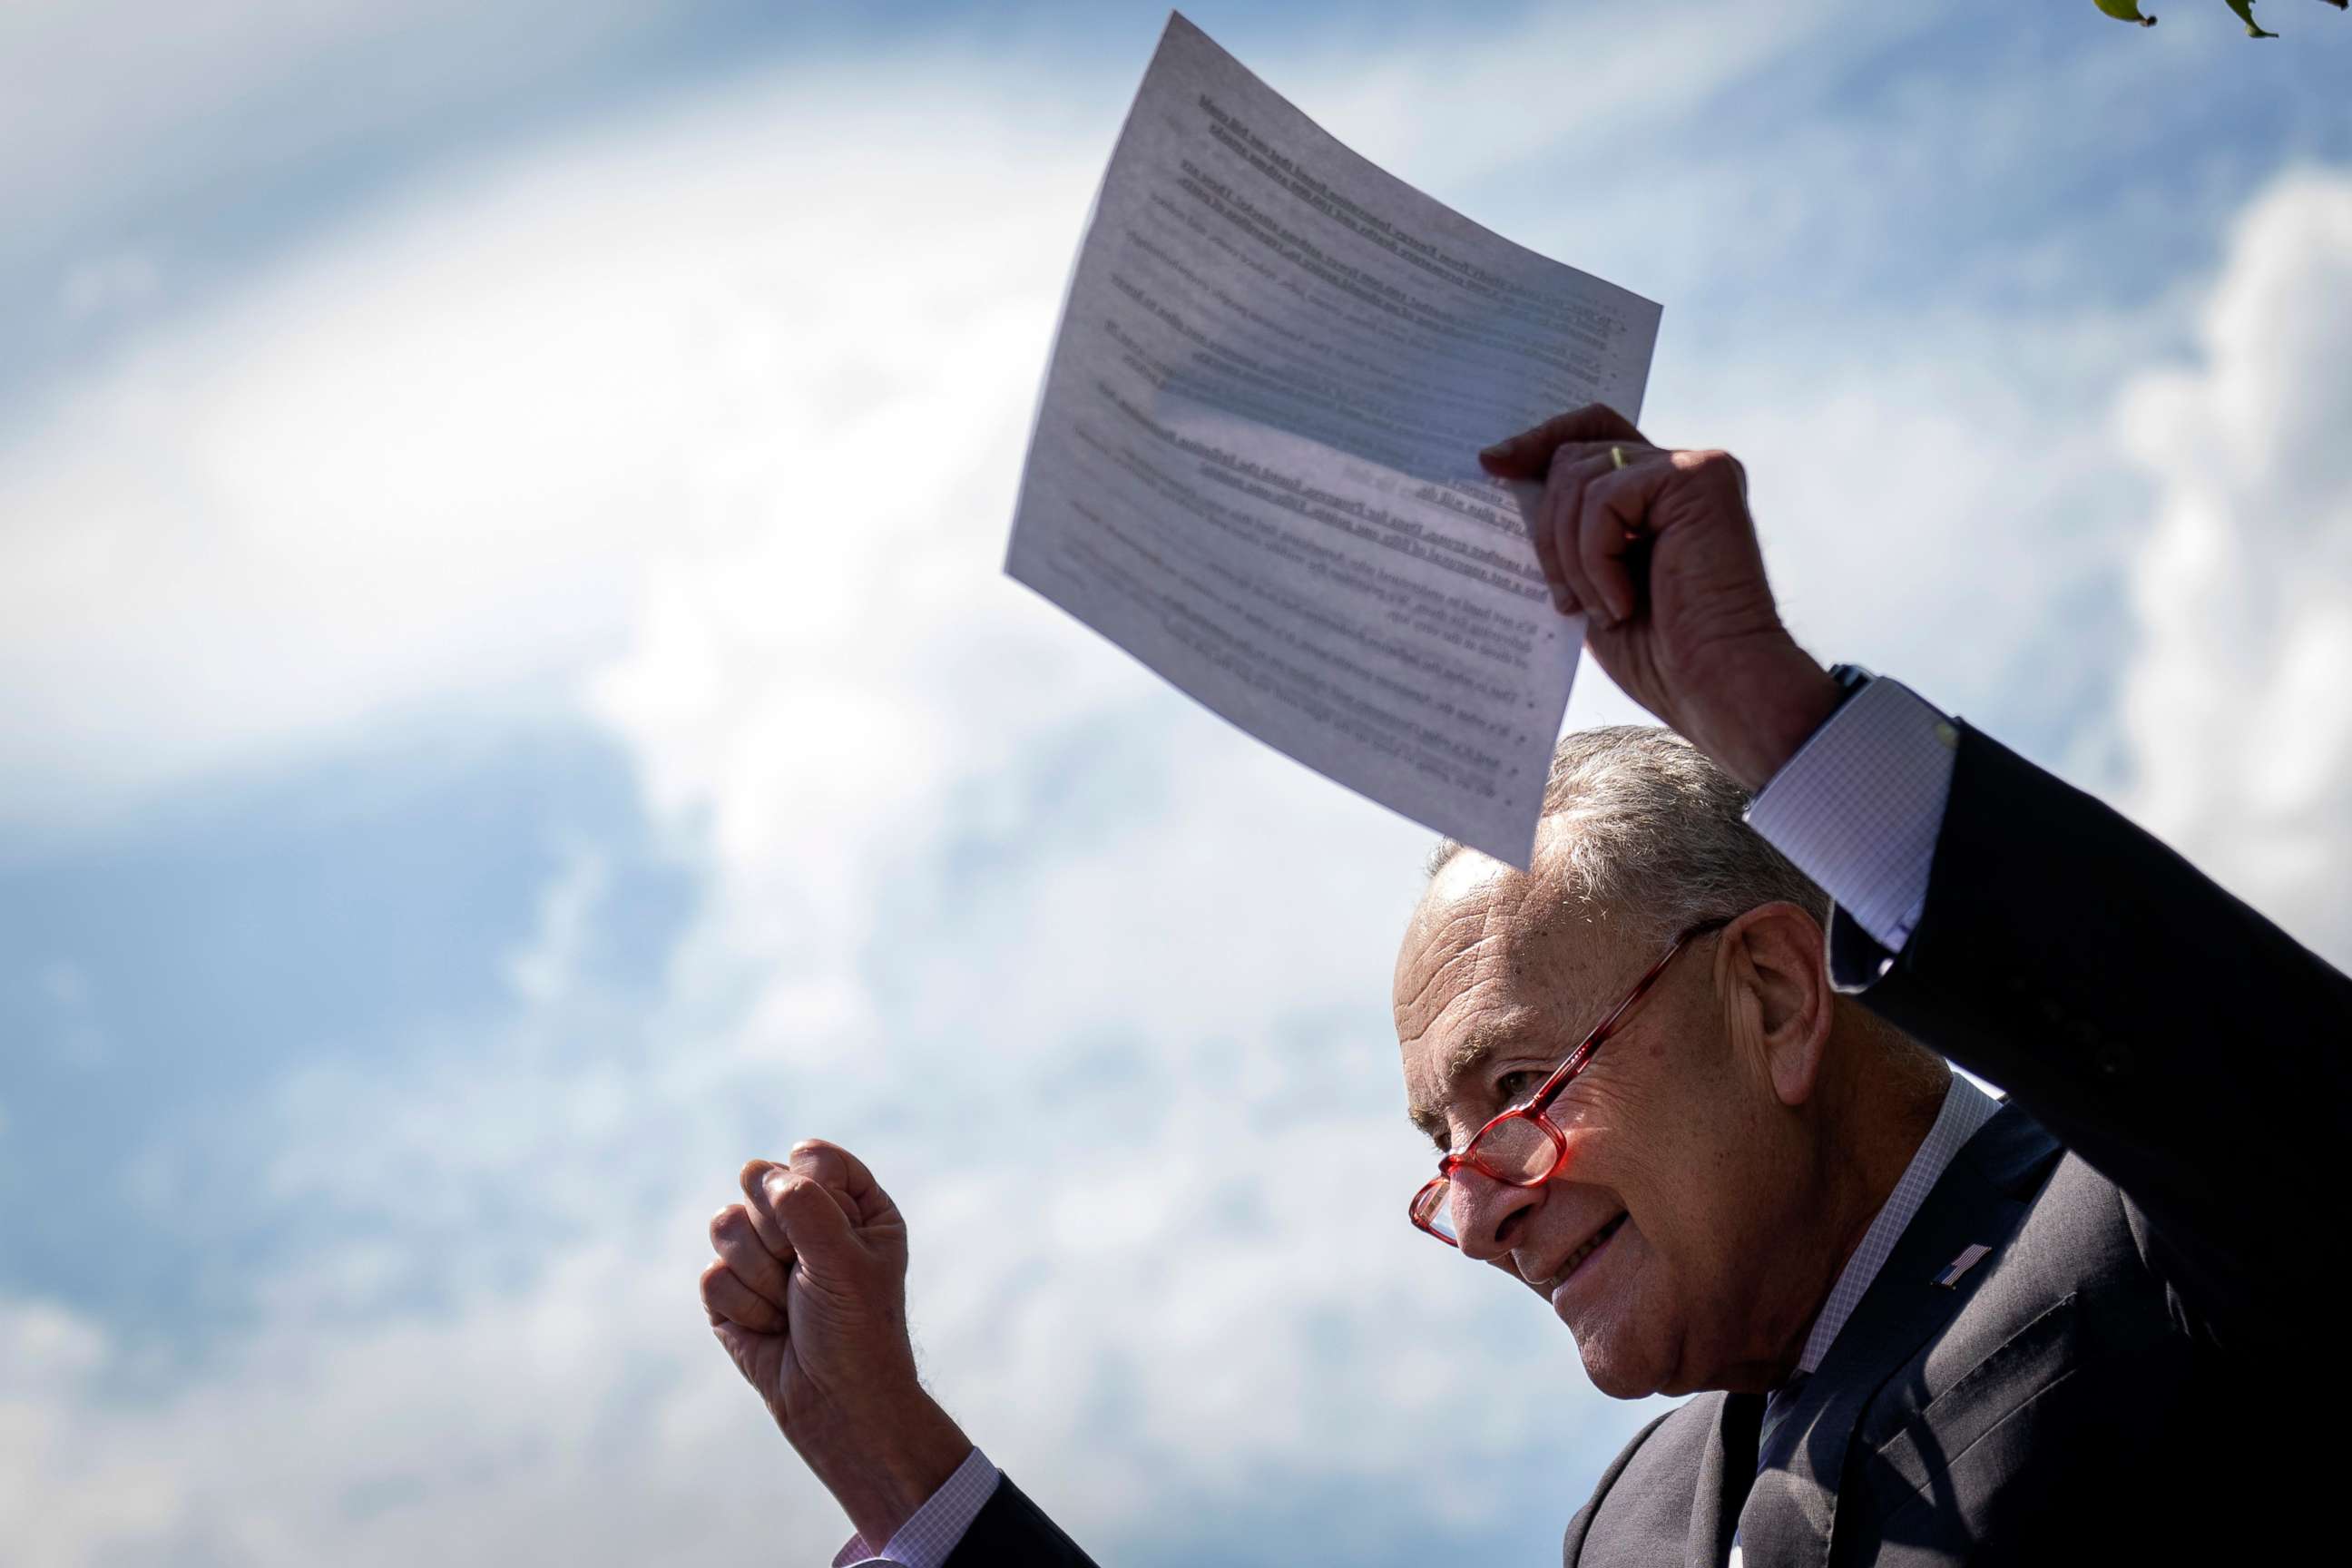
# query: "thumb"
x,y
844,1176
822,1163
811,1218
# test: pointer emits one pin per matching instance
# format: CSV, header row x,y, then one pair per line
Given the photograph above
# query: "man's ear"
x,y
1778,956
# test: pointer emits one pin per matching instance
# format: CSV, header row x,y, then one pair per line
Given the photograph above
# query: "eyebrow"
x,y
1474,1051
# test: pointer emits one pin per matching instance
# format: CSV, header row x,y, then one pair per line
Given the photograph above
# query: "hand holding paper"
x,y
1658,547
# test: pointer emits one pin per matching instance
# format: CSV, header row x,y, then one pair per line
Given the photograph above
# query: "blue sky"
x,y
508,707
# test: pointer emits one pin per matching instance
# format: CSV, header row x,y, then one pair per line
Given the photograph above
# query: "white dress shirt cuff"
x,y
933,1530
1859,807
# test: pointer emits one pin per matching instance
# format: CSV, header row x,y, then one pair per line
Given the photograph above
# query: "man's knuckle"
x,y
1717,463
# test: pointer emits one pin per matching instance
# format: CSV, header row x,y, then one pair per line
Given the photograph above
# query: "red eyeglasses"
x,y
1520,1147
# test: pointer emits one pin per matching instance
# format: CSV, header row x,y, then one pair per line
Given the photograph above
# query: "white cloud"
x,y
48,1509
1553,80
507,1429
358,488
361,487
718,418
802,420
1152,1157
115,104
2243,590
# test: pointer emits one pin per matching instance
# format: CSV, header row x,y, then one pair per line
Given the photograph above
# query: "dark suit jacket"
x,y
2130,1374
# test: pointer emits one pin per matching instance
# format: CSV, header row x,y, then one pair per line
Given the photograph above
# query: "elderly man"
x,y
1687,1080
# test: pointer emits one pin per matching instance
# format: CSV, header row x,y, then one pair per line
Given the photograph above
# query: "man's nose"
x,y
1489,1211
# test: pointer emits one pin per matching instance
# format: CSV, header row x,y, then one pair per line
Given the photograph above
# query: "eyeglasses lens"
x,y
1434,1208
1519,1151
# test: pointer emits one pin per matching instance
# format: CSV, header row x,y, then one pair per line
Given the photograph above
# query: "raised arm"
x,y
2167,1033
2191,1050
808,1294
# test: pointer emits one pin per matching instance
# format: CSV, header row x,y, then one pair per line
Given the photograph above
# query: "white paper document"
x,y
1255,460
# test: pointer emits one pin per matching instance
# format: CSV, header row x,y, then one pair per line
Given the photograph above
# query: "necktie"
x,y
1776,1436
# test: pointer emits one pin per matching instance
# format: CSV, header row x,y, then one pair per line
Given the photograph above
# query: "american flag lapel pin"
x,y
1968,1258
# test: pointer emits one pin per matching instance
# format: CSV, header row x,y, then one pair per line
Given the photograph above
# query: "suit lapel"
x,y
1981,1197
1725,1470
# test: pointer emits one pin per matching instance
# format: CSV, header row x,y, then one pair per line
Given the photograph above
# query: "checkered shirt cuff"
x,y
1859,807
936,1529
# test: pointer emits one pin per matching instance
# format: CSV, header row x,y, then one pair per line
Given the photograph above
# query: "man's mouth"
x,y
1583,1254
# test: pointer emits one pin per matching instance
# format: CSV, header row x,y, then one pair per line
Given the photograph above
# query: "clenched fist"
x,y
808,1294
1657,549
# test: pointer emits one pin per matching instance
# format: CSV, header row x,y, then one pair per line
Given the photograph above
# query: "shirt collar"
x,y
1966,1108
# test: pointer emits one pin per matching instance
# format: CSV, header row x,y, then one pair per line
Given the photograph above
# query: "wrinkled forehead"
x,y
1473,921
1490,949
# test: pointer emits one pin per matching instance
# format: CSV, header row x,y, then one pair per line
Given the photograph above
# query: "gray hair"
x,y
1658,837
